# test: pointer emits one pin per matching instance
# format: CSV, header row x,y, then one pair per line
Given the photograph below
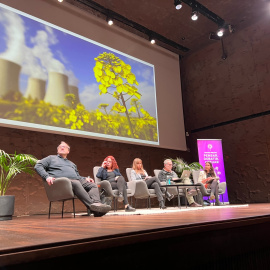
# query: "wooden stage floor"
x,y
32,239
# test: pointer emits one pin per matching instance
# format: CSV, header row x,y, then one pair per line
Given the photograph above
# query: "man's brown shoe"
x,y
195,205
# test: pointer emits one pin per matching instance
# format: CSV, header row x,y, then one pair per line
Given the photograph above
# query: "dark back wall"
x,y
230,100
30,197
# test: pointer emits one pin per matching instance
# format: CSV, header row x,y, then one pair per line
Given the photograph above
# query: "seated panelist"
x,y
109,170
210,180
139,173
167,171
58,166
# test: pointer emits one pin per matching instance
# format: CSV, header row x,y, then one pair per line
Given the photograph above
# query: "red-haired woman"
x,y
210,180
109,170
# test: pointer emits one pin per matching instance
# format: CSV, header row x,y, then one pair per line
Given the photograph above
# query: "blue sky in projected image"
x,y
72,55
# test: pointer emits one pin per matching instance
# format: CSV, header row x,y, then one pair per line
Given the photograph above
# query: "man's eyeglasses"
x,y
63,146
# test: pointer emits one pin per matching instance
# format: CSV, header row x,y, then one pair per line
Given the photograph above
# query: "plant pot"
x,y
6,207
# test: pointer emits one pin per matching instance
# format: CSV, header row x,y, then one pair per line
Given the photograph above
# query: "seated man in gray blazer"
x,y
167,171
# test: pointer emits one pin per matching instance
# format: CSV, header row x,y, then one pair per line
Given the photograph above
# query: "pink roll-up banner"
x,y
211,150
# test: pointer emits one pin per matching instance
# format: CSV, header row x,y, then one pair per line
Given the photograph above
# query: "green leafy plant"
x,y
13,164
179,165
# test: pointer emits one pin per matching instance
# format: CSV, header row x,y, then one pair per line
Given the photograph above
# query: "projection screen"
x,y
57,80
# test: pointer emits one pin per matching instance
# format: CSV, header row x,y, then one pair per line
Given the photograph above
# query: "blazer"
x,y
136,176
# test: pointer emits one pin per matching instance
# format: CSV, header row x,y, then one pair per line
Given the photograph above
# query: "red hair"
x,y
114,163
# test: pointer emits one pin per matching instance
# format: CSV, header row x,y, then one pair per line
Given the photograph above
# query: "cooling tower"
x,y
75,91
35,89
57,89
9,77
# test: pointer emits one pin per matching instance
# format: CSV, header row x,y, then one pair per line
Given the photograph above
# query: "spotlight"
x,y
194,15
109,21
178,4
220,32
151,38
60,0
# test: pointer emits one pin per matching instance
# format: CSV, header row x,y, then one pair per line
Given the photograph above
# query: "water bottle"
x,y
168,182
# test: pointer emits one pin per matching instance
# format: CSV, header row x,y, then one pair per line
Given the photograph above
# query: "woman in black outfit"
x,y
109,170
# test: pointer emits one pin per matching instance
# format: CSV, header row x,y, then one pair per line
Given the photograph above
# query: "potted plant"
x,y
10,166
179,165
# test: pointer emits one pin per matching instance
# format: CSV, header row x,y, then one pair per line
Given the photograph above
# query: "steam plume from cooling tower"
x,y
36,62
14,27
17,57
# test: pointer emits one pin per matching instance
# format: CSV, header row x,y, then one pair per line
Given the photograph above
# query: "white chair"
x,y
141,191
114,193
206,191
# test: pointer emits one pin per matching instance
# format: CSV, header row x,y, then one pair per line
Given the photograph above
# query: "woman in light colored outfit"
x,y
210,180
139,173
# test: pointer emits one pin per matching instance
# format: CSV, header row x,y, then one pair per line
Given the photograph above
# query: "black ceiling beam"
x,y
115,16
205,12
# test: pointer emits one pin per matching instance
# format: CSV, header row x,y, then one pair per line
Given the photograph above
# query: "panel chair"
x,y
141,191
206,191
60,190
113,193
172,190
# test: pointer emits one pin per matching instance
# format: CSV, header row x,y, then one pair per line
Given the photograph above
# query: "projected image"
x,y
52,78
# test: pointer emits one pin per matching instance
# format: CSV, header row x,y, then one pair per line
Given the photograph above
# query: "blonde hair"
x,y
134,165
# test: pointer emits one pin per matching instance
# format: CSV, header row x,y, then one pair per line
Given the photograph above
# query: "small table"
x,y
182,186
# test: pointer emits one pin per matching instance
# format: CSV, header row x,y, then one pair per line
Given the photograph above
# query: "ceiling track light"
x,y
194,15
220,32
121,20
195,5
109,21
178,4
152,40
109,18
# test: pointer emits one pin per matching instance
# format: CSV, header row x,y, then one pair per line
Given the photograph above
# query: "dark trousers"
x,y
86,192
214,188
121,185
155,184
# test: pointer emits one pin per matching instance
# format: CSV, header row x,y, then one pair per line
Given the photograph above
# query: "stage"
x,y
185,236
